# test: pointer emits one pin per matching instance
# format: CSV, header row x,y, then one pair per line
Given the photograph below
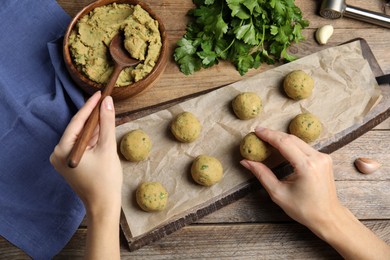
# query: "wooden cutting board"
x,y
376,116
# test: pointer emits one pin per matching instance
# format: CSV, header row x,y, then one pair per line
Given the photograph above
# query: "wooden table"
x,y
254,227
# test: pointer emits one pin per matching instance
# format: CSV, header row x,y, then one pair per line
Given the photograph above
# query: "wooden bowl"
x,y
119,93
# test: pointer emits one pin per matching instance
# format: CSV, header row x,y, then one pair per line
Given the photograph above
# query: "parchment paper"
x,y
345,90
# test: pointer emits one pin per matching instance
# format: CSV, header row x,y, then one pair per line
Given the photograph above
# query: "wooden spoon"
x,y
122,60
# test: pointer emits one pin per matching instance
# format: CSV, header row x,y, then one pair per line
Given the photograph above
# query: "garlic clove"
x,y
366,165
324,33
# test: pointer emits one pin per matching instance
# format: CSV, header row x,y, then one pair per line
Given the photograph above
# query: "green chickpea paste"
x,y
93,33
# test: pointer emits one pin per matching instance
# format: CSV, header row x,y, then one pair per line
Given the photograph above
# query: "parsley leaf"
x,y
185,56
185,48
238,10
245,32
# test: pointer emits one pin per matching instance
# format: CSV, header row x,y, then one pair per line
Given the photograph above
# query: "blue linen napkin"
x,y
39,212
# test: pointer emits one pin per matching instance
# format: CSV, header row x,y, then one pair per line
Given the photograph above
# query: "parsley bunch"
x,y
244,32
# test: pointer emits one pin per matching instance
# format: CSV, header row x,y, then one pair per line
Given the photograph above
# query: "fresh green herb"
x,y
204,167
244,32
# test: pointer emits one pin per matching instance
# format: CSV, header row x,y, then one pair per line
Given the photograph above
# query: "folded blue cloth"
x,y
39,212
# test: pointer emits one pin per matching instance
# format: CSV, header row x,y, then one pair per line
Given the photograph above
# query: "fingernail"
x,y
97,93
245,163
108,103
259,129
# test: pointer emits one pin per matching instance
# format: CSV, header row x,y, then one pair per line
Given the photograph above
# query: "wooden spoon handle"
x,y
81,144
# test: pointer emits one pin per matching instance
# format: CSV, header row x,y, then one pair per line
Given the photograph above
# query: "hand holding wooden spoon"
x,y
122,60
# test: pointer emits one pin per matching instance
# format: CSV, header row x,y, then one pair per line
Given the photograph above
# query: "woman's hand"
x,y
309,196
97,179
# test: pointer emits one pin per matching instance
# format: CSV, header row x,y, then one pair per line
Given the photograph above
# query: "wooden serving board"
x,y
374,117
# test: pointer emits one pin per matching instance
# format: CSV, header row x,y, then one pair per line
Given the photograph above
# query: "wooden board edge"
x,y
191,216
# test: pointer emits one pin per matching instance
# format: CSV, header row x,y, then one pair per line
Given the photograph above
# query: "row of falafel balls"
x,y
206,170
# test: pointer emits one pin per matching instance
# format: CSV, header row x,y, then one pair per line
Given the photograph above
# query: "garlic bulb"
x,y
366,165
324,33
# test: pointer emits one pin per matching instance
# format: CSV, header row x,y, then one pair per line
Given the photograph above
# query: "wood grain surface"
x,y
254,227
175,84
